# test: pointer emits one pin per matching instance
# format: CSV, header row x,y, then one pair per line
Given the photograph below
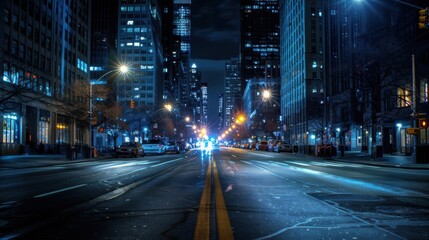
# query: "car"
x,y
282,147
262,145
183,146
130,149
154,146
271,145
172,147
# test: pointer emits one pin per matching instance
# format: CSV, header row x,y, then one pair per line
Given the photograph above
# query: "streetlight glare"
x,y
123,69
266,94
169,107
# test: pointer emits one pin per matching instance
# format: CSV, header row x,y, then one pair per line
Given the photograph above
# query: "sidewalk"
x,y
41,160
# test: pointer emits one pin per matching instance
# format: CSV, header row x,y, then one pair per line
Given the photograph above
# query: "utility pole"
x,y
414,106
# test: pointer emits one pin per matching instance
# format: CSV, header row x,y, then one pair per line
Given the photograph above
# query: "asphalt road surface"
x,y
221,194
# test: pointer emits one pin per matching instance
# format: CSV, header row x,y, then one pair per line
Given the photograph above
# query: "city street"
x,y
226,193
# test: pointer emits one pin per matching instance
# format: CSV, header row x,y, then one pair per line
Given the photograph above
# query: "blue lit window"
x,y
82,65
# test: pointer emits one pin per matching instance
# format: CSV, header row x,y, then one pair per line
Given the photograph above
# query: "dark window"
x,y
15,21
21,53
6,16
29,55
30,31
14,47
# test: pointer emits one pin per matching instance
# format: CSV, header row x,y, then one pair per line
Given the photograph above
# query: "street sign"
x,y
416,115
413,131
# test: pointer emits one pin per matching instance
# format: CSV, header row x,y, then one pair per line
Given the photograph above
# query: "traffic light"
x,y
132,104
423,123
424,18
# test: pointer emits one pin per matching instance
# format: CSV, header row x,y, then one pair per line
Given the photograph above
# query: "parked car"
x,y
172,147
154,146
271,145
282,147
262,145
130,149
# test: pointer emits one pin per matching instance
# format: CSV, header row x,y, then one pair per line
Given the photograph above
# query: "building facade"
x,y
194,108
221,105
302,80
182,53
395,48
262,111
44,58
139,93
103,65
259,40
232,92
344,26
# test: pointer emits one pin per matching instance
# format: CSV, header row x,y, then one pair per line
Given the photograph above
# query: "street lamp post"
x,y
122,69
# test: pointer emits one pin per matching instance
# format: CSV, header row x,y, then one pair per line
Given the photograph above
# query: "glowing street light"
x,y
169,107
266,94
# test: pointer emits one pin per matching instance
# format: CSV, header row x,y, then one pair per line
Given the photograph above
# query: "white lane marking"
x,y
351,165
249,163
129,164
60,190
159,164
298,163
233,155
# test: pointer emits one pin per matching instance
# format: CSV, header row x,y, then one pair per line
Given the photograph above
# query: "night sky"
x,y
215,38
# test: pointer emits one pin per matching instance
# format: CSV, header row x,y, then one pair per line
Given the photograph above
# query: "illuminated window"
x,y
424,91
10,128
43,133
404,96
62,130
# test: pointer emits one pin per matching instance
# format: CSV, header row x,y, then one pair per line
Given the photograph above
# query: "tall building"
x,y
204,104
344,26
104,61
170,87
232,92
45,73
140,92
260,40
182,51
221,115
302,79
386,78
194,108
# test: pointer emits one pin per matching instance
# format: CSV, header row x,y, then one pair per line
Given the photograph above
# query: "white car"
x,y
154,146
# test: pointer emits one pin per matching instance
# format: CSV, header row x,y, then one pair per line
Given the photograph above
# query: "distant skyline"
x,y
212,72
215,37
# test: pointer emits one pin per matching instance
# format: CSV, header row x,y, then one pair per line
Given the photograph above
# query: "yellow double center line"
x,y
202,228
